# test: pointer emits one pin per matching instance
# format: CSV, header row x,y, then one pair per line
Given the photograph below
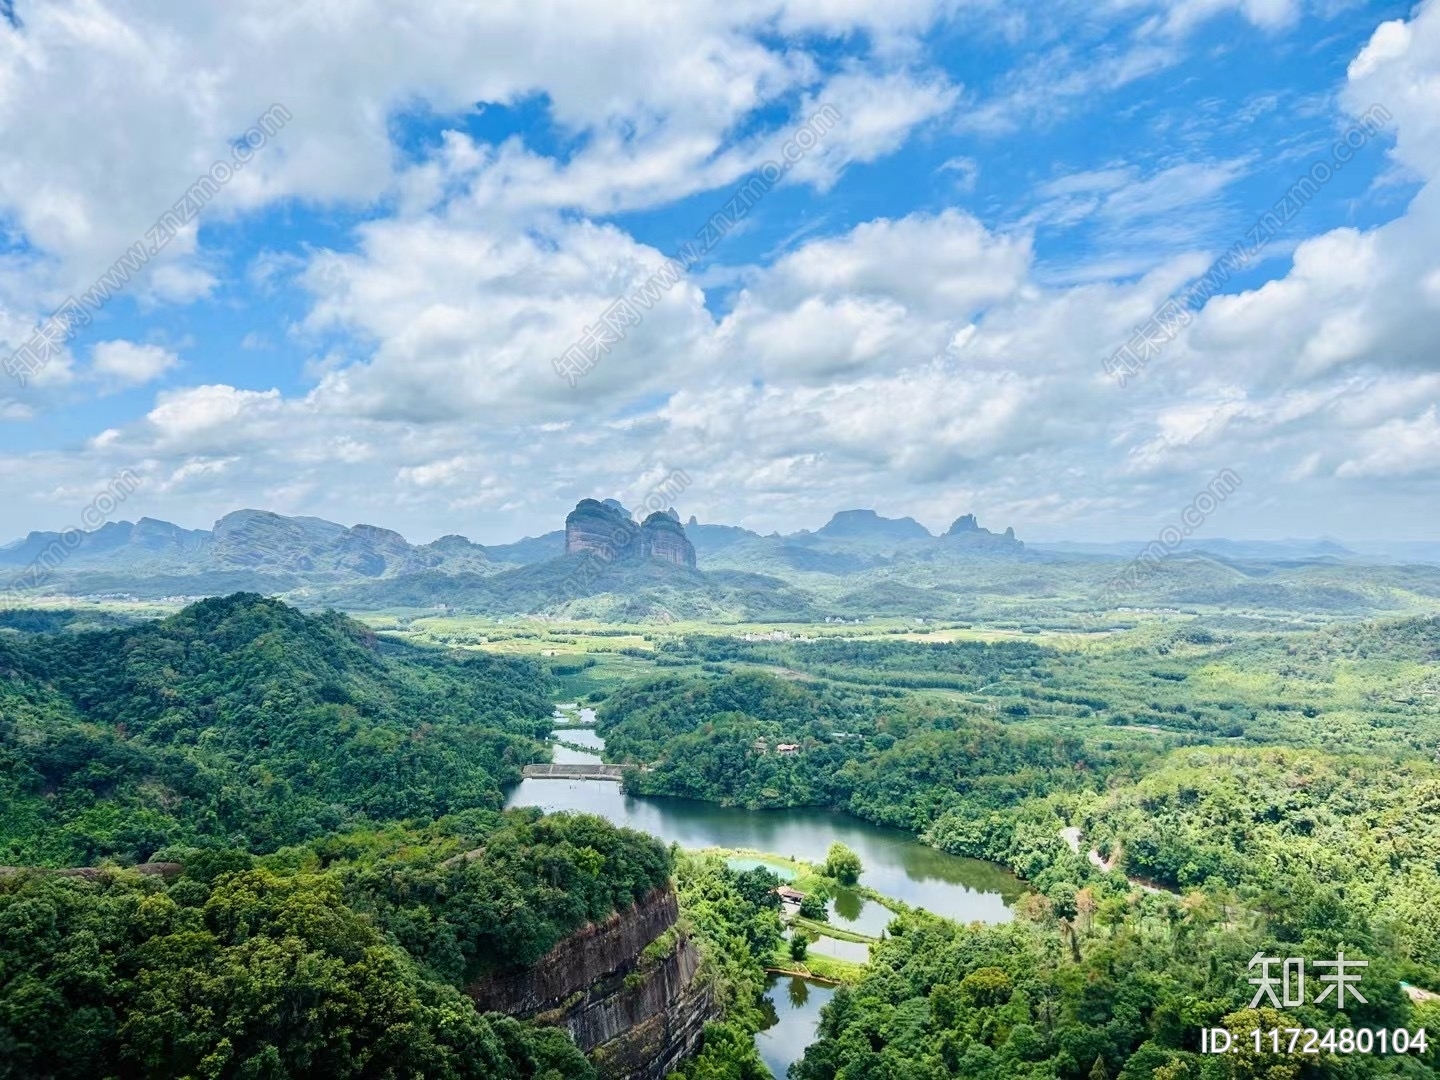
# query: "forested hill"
x,y
343,958
243,721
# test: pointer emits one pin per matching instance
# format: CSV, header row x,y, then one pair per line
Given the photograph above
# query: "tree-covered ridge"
x,y
1306,836
339,959
1296,851
240,719
638,720
505,903
1114,983
873,752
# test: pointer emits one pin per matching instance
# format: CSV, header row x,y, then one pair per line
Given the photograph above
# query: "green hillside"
x,y
343,958
244,721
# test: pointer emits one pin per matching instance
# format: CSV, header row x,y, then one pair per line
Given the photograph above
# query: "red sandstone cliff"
x,y
610,534
636,1015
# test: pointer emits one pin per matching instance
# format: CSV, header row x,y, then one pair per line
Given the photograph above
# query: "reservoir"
x,y
896,863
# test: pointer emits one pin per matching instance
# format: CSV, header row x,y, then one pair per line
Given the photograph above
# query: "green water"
x,y
896,863
741,863
563,755
795,1005
851,911
857,952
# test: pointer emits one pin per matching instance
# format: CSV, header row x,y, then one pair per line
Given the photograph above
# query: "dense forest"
x,y
1158,869
880,755
323,864
1177,799
242,721
342,958
1103,982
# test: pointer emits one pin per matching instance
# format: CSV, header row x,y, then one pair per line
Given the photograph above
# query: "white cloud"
x,y
465,316
129,363
1182,16
1398,447
652,98
219,415
886,295
904,362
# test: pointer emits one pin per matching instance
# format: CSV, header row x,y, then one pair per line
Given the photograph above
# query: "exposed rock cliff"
x,y
602,529
579,959
642,1025
636,1011
606,530
663,537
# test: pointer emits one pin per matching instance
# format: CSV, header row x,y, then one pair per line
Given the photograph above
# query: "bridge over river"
x,y
583,771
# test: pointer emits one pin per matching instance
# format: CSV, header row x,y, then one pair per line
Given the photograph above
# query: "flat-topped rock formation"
x,y
607,531
662,537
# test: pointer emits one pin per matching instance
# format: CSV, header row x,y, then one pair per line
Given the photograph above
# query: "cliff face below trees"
x,y
625,989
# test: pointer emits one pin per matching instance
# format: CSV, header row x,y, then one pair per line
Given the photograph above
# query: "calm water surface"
x,y
573,714
896,864
851,911
563,755
857,952
796,1004
582,736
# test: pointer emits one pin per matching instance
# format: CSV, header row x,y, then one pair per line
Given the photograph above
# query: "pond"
x,y
580,736
573,713
795,1004
857,952
848,910
564,755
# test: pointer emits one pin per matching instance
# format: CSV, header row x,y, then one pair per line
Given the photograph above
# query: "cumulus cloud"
x,y
466,316
1398,447
652,99
129,363
886,295
921,362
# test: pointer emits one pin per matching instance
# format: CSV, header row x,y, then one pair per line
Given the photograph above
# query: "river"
x,y
563,755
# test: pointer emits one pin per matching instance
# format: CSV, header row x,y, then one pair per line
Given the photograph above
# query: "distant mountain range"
x,y
322,561
323,551
1371,551
604,563
249,540
1232,549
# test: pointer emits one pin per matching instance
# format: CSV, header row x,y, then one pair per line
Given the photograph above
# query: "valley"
x,y
1073,822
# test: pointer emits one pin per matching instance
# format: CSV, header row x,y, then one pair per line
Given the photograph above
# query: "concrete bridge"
x,y
574,772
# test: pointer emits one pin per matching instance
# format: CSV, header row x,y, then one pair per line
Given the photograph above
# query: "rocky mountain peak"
x,y
967,532
607,530
663,537
963,524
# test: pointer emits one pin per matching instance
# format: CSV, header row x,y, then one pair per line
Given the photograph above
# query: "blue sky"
x,y
361,324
